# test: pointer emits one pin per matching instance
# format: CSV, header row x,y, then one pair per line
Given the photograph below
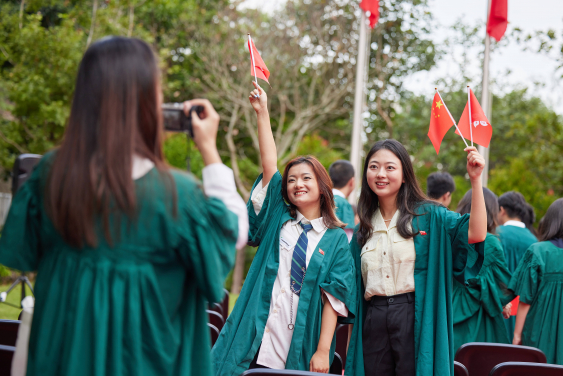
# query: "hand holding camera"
x,y
205,123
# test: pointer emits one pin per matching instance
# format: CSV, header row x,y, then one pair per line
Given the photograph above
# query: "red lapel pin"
x,y
422,233
321,252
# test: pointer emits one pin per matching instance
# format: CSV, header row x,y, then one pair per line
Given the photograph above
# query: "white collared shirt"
x,y
349,231
387,260
218,182
277,336
515,224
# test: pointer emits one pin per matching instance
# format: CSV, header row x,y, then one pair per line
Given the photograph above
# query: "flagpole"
x,y
252,56
469,107
485,101
359,98
451,117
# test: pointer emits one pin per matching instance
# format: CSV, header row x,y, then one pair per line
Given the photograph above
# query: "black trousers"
x,y
253,364
388,336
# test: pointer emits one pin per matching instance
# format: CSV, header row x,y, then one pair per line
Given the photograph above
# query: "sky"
x,y
527,68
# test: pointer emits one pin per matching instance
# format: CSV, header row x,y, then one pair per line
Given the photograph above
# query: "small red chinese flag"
x,y
481,128
371,6
440,122
257,66
498,19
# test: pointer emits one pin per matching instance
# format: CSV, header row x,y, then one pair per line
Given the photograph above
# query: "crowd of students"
x,y
133,250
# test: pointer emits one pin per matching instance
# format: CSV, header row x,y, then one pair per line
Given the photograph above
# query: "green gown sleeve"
x,y
344,212
467,258
340,282
208,233
527,278
19,245
273,204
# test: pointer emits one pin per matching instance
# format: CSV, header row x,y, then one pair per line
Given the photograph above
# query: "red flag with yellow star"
x,y
440,122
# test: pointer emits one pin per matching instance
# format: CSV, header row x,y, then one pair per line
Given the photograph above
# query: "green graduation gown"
x,y
538,280
478,304
134,308
442,253
515,241
334,272
344,211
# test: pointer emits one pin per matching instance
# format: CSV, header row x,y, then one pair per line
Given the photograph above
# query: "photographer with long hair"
x,y
127,251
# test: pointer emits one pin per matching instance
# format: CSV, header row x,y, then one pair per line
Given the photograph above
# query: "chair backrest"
x,y
341,342
214,333
217,307
225,304
9,332
279,372
6,355
460,370
480,357
526,369
337,366
216,319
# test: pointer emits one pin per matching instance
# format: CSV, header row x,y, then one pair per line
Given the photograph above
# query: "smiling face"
x,y
302,186
385,174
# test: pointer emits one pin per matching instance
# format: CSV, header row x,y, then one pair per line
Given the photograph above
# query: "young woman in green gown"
x,y
516,218
481,304
302,276
127,251
538,280
407,250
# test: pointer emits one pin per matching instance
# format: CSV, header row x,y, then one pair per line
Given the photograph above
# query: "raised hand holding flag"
x,y
258,68
474,122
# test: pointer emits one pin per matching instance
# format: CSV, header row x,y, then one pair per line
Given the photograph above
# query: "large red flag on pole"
x,y
258,68
371,6
473,122
498,19
441,120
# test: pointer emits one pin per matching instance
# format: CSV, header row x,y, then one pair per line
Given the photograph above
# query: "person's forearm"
x,y
268,152
328,326
209,154
478,219
523,309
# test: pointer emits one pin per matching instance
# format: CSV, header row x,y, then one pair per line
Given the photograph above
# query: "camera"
x,y
175,120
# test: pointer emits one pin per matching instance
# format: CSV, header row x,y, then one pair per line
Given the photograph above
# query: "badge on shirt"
x,y
321,252
284,243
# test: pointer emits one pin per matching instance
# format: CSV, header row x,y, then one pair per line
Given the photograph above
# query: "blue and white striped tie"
x,y
298,261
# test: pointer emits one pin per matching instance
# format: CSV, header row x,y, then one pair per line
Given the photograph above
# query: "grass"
x,y
8,312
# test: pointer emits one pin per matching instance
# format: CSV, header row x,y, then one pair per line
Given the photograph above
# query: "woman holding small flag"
x,y
406,249
302,276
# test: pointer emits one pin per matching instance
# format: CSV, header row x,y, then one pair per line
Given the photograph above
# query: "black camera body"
x,y
23,167
175,120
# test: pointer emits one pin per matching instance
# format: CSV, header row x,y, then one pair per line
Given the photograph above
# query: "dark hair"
x,y
516,206
491,204
438,184
340,173
114,115
409,197
551,225
325,189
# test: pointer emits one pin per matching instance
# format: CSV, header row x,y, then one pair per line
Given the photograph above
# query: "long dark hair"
x,y
114,115
551,225
325,189
491,204
409,197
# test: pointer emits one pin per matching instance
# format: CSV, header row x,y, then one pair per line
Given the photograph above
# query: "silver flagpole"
x,y
486,103
359,100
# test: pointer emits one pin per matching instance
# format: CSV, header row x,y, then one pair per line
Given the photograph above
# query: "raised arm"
x,y
478,218
268,153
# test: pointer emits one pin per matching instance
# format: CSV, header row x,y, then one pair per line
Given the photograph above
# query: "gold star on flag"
x,y
439,104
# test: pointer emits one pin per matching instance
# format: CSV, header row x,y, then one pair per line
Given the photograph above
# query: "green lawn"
x,y
8,312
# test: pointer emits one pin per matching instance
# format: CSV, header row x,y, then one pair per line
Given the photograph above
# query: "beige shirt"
x,y
387,260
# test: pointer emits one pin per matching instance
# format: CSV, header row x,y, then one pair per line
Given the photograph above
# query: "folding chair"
x,y
9,332
279,372
214,333
460,370
217,307
341,342
6,355
225,304
480,357
526,369
215,319
337,365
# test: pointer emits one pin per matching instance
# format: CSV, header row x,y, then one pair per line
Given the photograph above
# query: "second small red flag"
x,y
440,122
481,130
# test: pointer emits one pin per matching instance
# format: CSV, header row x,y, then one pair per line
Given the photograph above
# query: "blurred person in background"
x,y
439,187
127,251
480,305
342,175
538,280
516,218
